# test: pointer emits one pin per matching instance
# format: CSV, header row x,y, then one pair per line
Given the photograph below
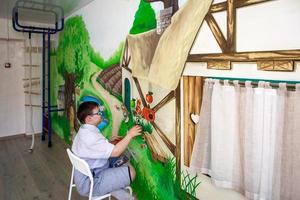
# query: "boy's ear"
x,y
87,119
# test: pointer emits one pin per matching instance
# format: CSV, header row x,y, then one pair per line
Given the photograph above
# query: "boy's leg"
x,y
119,161
111,179
131,171
122,194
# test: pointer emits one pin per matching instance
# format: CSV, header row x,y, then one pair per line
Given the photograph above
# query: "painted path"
x,y
112,102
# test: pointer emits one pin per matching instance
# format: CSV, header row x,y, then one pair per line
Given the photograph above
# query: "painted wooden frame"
x,y
266,60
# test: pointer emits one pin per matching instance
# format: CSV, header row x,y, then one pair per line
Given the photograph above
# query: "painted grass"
x,y
155,180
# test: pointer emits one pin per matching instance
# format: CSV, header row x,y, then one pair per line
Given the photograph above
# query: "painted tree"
x,y
73,60
144,19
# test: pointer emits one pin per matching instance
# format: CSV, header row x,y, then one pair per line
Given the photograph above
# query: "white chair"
x,y
82,166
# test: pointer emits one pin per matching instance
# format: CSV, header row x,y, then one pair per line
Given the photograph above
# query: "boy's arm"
x,y
121,146
115,139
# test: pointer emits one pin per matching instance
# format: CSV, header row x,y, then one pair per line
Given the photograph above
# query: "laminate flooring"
x,y
41,175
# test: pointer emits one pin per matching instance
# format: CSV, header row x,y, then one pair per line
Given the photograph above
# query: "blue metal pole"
x,y
43,90
46,30
49,97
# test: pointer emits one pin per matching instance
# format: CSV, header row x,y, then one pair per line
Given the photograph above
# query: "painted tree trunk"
x,y
70,99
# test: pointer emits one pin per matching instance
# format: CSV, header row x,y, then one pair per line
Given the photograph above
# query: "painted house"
x,y
216,94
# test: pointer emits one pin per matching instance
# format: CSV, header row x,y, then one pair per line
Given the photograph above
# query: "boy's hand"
x,y
135,131
115,139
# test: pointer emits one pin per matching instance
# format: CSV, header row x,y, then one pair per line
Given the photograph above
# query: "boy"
x,y
90,145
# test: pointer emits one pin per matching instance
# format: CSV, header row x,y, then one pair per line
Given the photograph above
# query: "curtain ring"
x,y
297,86
216,81
261,84
226,82
248,84
282,86
267,85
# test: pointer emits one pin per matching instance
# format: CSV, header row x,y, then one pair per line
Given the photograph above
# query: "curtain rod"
x,y
290,86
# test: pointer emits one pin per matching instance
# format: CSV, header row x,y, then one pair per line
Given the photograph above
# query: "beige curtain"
x,y
287,177
248,140
200,159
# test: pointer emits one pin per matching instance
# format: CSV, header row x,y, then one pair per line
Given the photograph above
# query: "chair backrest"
x,y
80,164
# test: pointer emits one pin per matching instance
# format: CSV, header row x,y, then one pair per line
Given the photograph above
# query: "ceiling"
x,y
69,6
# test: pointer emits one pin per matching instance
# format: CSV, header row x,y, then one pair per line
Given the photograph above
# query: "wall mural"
x,y
79,73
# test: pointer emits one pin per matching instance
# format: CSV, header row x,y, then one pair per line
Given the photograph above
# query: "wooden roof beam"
x,y
164,101
164,138
138,87
218,7
247,56
231,26
177,132
215,29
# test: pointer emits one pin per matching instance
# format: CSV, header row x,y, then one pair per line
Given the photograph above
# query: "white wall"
x,y
14,116
108,29
12,98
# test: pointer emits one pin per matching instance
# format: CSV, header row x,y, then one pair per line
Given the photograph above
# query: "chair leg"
x,y
129,189
71,184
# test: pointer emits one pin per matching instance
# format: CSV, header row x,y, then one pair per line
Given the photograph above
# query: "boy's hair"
x,y
85,109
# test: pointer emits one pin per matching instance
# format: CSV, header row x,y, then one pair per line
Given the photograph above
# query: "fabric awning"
x,y
142,47
167,58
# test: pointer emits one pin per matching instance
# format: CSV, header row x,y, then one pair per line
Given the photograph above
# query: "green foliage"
x,y
61,126
125,126
56,79
189,184
115,58
74,49
144,19
97,59
147,127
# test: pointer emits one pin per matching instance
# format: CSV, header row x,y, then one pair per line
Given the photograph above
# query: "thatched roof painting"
x,y
111,80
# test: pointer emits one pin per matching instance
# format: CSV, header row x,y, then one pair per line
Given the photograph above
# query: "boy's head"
x,y
89,113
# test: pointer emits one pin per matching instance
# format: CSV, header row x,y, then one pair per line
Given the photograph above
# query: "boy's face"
x,y
95,118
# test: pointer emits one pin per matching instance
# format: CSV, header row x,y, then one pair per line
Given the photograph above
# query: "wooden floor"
x,y
40,175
